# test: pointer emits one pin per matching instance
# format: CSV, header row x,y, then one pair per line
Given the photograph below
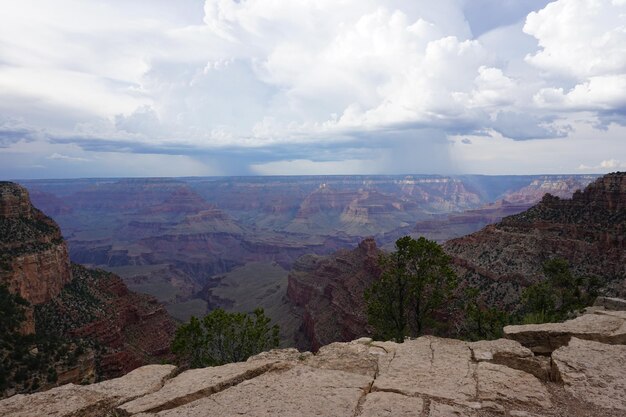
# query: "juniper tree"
x,y
416,280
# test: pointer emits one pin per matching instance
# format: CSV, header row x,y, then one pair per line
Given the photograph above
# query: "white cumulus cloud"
x,y
255,84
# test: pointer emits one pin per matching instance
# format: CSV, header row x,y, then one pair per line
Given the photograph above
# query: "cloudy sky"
x,y
247,87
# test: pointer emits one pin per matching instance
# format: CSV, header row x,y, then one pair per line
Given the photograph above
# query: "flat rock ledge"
x,y
598,324
424,377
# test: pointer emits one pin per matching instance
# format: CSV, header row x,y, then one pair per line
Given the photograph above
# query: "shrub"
x,y
222,337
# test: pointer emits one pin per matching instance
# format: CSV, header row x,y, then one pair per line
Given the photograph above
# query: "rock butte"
x,y
426,377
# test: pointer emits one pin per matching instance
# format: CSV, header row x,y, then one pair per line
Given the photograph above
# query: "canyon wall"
x,y
328,293
82,325
588,230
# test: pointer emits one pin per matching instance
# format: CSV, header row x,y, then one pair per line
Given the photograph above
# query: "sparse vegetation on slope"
x,y
29,362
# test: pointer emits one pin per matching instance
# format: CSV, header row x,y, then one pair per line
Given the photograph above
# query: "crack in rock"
x,y
208,391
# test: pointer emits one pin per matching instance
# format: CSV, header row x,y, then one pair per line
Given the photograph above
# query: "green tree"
x,y
222,337
538,301
566,292
558,295
416,280
482,322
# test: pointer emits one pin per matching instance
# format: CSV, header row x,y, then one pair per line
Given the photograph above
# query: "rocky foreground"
x,y
581,371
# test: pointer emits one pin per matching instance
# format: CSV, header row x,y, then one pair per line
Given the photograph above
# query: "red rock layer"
x,y
134,329
34,261
33,253
72,301
328,292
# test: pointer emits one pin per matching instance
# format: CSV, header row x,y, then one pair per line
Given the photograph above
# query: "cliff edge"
x,y
581,374
79,325
34,260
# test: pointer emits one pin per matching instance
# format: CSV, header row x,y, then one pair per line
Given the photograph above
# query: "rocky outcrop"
x,y
428,376
600,325
594,371
588,230
34,260
84,325
33,256
328,293
132,329
88,400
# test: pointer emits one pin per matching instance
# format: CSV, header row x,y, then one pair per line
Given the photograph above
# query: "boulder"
x,y
593,371
510,353
601,326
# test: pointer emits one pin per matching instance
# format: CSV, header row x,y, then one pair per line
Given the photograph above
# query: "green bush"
x,y
559,295
222,337
482,322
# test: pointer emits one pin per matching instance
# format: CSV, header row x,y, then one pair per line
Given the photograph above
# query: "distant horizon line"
x,y
305,176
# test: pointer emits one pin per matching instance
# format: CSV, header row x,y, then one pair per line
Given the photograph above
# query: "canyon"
x,y
588,230
196,256
181,239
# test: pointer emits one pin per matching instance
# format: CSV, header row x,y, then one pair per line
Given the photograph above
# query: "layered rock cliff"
x,y
428,376
588,230
34,261
443,227
82,325
131,329
328,293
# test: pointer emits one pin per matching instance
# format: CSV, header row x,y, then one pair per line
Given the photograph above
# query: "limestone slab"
x,y
440,368
595,372
87,400
139,382
512,354
501,384
301,391
196,383
545,338
380,404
